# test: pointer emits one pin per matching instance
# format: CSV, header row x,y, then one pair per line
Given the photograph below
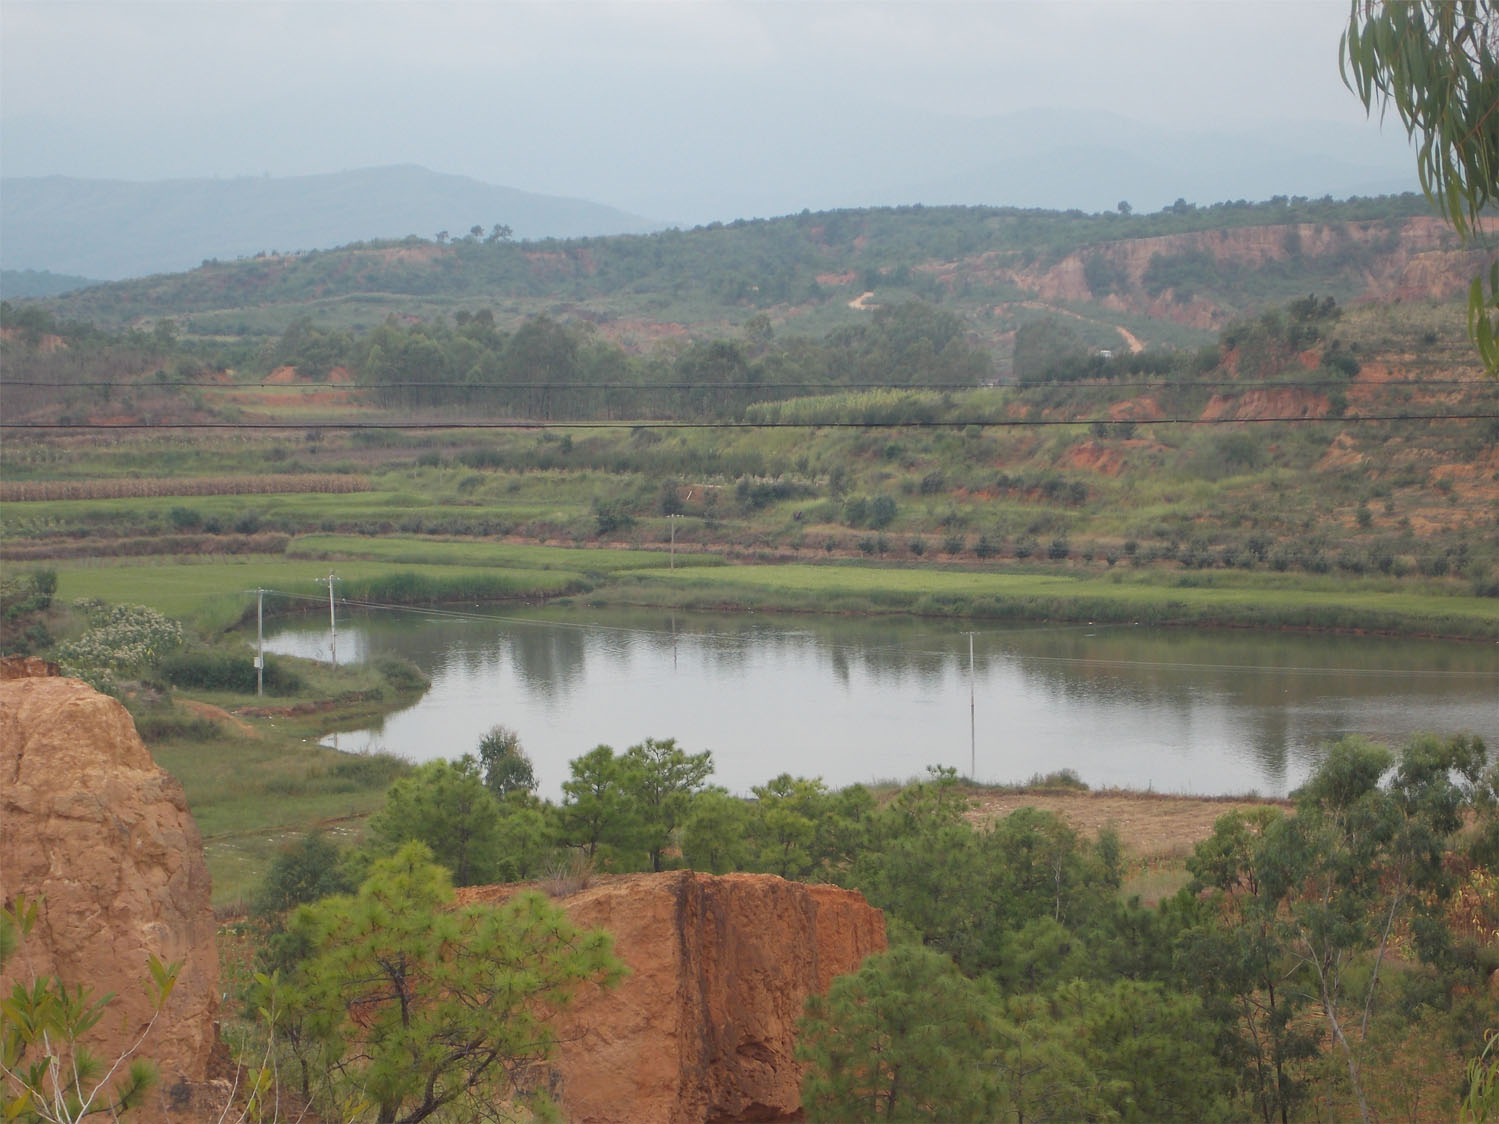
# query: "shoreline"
x,y
1032,596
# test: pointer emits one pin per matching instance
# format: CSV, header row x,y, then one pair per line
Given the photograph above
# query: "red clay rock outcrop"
x,y
1258,404
704,1027
91,825
26,667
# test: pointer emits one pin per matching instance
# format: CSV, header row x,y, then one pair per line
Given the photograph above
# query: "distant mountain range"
x,y
114,229
40,283
841,152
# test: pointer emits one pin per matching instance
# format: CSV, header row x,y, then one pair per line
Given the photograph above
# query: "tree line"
x,y
550,370
1331,957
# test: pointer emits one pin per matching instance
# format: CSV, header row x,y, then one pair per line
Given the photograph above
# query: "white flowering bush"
x,y
121,641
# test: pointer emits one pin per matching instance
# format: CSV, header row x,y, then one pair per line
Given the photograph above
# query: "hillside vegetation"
x,y
1311,447
1313,450
1168,277
1260,415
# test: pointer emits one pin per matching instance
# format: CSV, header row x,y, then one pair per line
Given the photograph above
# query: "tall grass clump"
x,y
406,587
228,671
402,674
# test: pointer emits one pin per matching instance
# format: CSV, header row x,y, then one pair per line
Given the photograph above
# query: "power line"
x,y
670,423
1080,384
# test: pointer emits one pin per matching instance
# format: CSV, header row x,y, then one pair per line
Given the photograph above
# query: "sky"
x,y
695,109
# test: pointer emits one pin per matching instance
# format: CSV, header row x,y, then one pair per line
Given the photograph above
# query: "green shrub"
x,y
402,674
1062,778
307,870
185,518
370,770
27,593
168,723
121,640
226,671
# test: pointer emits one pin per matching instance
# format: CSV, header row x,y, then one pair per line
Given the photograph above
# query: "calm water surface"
x,y
867,699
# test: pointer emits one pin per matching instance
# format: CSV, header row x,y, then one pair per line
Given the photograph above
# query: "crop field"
x,y
296,510
487,553
123,487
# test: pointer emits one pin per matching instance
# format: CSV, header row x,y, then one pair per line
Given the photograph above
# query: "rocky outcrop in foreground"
x,y
90,825
704,1027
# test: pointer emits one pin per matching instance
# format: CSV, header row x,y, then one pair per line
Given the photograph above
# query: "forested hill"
x,y
1170,278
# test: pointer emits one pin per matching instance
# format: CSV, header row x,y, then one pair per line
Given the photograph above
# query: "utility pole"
x,y
972,739
259,642
671,521
332,619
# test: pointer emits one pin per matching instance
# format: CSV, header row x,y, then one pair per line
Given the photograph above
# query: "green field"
x,y
1113,597
216,593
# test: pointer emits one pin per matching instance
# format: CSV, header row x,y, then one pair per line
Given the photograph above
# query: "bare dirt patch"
x,y
301,398
1145,408
1149,825
424,252
1342,453
218,714
1257,405
1093,457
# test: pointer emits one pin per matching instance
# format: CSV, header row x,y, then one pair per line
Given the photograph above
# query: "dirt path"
x,y
217,714
1149,825
1131,340
861,302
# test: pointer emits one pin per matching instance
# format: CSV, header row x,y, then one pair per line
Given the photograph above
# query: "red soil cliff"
x,y
704,1027
90,825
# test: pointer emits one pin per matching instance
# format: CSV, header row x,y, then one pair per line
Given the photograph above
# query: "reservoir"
x,y
875,698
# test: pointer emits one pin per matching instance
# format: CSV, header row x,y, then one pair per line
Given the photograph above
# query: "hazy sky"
x,y
620,101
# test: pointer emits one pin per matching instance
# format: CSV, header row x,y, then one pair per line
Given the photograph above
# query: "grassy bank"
x,y
217,593
251,792
1116,598
254,773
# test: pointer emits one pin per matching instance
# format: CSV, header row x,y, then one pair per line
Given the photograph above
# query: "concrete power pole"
x,y
671,521
972,739
332,620
259,642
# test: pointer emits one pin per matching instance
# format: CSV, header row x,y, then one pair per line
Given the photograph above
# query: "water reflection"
x,y
863,699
